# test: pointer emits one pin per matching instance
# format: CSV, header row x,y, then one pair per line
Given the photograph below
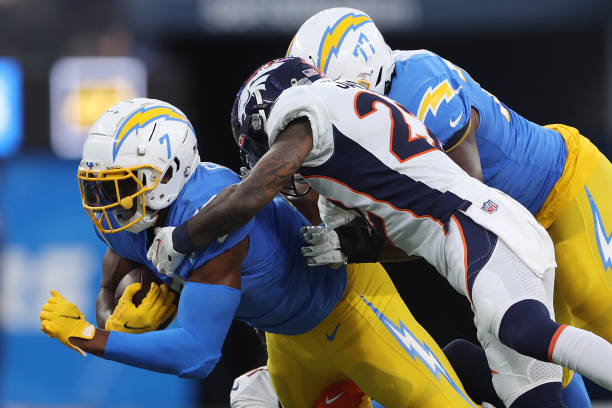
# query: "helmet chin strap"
x,y
146,222
364,79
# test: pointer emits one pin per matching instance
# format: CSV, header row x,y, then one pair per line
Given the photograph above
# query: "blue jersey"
x,y
517,156
280,293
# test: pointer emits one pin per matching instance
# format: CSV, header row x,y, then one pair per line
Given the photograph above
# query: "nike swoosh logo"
x,y
330,400
127,326
332,336
71,317
453,123
234,388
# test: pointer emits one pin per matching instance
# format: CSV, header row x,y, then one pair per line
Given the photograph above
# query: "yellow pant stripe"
x,y
372,338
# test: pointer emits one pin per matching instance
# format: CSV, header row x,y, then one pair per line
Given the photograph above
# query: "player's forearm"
x,y
232,208
176,351
114,268
238,203
95,346
465,152
104,306
307,205
191,350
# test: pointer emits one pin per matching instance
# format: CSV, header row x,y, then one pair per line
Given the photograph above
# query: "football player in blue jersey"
x,y
141,170
554,171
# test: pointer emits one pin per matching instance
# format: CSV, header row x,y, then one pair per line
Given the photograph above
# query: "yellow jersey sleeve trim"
x,y
461,139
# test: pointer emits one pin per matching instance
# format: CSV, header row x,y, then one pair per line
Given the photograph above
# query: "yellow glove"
x,y
155,308
62,320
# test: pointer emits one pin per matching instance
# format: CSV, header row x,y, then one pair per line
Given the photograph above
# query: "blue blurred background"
x,y
62,63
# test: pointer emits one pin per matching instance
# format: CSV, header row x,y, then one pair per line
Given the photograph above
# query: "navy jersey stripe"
x,y
479,245
361,171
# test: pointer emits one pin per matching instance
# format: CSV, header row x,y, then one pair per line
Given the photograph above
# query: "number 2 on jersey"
x,y
403,144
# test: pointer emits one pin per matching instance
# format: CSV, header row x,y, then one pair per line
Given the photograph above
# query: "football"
x,y
145,276
142,275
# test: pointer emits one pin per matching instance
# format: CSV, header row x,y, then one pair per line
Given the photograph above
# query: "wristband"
x,y
181,241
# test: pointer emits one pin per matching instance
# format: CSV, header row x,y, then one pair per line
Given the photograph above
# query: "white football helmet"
x,y
344,43
136,159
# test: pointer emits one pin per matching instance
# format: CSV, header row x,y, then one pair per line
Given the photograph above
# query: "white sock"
x,y
585,353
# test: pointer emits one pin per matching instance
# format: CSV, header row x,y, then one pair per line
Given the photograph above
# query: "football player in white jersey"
x,y
553,170
366,154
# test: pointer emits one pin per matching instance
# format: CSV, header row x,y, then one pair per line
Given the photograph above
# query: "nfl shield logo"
x,y
489,207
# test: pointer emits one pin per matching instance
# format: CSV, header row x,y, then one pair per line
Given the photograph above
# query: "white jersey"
x,y
372,157
254,390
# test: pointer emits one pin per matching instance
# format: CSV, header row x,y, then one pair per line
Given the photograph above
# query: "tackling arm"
x,y
348,244
208,303
238,203
307,205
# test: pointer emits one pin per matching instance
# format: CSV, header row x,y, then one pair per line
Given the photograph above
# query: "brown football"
x,y
140,274
145,276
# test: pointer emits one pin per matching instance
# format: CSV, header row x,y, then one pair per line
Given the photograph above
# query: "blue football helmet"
x,y
254,102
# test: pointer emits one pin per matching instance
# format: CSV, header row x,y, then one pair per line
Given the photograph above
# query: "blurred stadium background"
x,y
62,63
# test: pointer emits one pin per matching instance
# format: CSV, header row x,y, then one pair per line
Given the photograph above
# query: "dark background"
x,y
547,60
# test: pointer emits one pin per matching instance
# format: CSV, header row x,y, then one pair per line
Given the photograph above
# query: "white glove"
x,y
332,215
324,247
162,254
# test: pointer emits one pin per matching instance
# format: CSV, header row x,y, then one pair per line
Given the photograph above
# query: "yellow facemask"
x,y
114,189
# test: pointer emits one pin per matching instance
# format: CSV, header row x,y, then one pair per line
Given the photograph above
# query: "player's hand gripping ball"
x,y
161,253
61,319
142,304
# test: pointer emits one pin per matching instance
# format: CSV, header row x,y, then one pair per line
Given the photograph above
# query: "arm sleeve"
x,y
192,349
297,102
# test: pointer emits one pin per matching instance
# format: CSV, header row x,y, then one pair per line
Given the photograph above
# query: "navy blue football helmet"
x,y
255,99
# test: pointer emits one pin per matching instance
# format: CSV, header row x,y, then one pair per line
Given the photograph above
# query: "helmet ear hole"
x,y
167,175
379,76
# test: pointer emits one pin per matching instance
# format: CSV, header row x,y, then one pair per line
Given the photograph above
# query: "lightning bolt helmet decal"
x,y
334,35
142,118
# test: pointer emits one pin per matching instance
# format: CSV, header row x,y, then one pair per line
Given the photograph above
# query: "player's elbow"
x,y
200,368
199,356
